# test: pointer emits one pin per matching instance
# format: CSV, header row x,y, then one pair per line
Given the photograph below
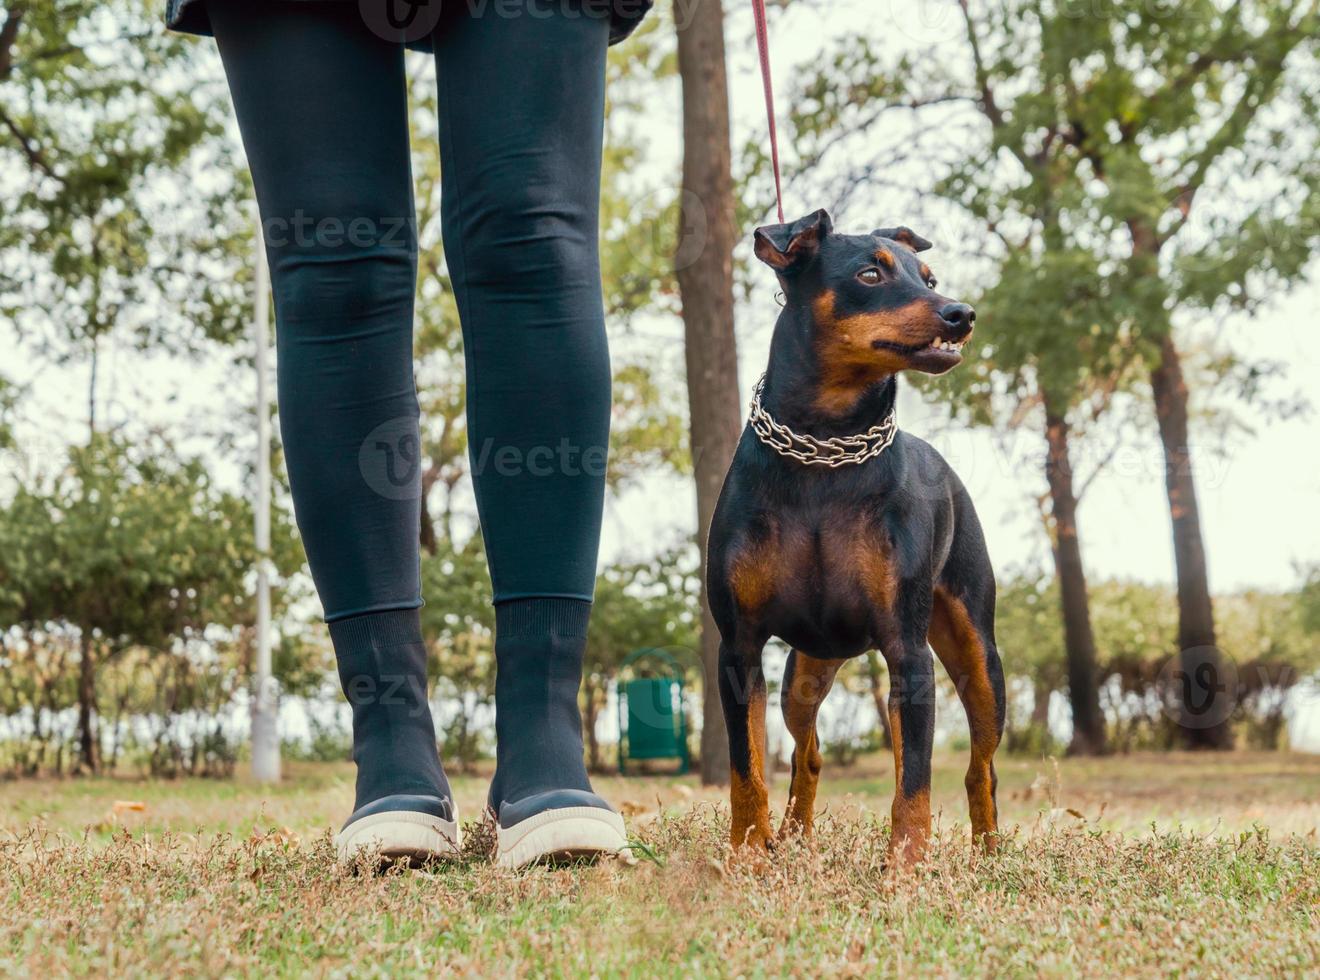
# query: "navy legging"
x,y
322,106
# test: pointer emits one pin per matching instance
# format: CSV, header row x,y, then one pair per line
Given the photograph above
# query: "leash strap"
x,y
763,44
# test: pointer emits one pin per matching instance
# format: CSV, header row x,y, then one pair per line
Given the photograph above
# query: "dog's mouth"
x,y
934,357
947,346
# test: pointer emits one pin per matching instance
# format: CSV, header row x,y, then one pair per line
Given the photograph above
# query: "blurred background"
x,y
1127,191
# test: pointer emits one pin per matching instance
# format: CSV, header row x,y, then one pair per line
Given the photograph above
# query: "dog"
x,y
839,534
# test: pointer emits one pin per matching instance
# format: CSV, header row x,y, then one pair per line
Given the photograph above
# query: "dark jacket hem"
x,y
190,17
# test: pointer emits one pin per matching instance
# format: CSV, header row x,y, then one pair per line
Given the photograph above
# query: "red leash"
x,y
763,44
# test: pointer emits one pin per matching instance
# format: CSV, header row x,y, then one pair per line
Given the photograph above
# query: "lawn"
x,y
1144,864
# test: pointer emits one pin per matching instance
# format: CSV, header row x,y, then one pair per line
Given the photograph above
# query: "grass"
x,y
1136,865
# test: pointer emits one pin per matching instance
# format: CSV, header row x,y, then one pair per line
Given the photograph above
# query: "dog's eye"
x,y
932,282
869,276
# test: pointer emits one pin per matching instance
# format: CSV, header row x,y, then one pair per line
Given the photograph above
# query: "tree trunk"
x,y
8,35
1040,706
87,707
704,266
880,696
1202,725
1079,640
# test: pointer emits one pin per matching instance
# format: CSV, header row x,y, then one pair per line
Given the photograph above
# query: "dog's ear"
x,y
787,248
904,236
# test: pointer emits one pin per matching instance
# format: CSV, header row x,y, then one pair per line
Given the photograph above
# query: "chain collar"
x,y
833,452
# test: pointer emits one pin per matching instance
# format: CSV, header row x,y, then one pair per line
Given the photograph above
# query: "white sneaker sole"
x,y
401,835
566,834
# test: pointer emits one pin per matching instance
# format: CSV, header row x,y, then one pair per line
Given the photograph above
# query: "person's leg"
x,y
521,127
322,106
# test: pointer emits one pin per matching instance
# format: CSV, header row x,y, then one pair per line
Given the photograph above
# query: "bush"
x,y
328,742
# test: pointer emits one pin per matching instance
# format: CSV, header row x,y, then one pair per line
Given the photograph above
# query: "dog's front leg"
x,y
912,721
742,692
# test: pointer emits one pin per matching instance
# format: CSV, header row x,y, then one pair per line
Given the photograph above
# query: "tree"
x,y
1181,107
1030,632
127,547
108,231
1082,144
704,264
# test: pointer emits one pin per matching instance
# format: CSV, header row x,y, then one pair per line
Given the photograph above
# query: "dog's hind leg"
x,y
807,681
742,694
962,634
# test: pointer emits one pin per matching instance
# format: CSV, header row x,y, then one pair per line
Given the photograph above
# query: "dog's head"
x,y
872,302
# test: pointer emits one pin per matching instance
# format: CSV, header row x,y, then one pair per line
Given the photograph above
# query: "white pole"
x,y
265,707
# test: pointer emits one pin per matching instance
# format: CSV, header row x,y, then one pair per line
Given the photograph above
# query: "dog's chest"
x,y
820,585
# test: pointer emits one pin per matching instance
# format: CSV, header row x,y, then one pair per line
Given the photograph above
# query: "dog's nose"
x,y
958,317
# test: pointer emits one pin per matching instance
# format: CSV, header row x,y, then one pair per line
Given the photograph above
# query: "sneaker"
x,y
557,826
412,829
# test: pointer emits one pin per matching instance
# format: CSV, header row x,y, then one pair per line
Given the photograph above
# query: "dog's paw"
x,y
753,848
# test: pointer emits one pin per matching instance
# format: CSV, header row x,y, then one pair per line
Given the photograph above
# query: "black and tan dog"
x,y
838,534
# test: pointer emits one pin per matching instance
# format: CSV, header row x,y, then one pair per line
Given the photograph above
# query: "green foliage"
x,y
645,605
132,543
10,396
458,624
111,230
129,565
647,436
327,743
639,216
1113,163
1265,636
1274,649
1309,602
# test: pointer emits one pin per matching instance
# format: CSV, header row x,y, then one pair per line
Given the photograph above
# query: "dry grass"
x,y
148,893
